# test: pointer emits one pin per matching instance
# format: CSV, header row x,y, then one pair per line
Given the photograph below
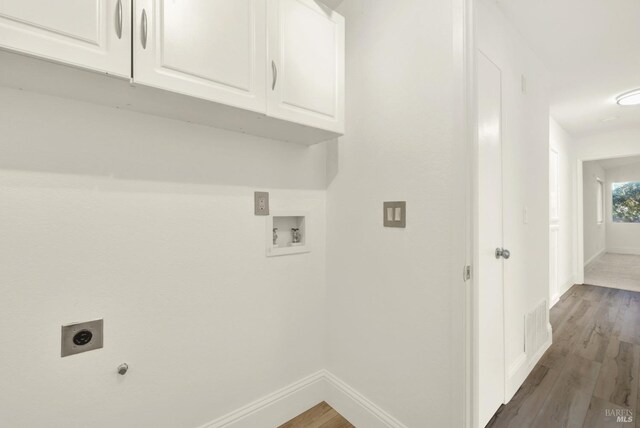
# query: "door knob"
x,y
501,252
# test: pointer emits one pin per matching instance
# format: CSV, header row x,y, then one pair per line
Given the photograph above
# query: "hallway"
x,y
589,376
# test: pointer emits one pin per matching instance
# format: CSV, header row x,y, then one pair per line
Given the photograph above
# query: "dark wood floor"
x,y
320,416
589,375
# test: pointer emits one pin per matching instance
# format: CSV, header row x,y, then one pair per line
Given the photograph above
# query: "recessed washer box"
x,y
282,242
82,337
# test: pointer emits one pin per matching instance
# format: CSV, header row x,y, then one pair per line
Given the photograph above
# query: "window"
x,y
625,204
600,201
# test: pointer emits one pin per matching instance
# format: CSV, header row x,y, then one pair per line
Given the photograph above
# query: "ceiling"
x,y
592,50
618,162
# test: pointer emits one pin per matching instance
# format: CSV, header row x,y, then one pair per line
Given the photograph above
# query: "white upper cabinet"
x,y
306,61
273,68
210,49
94,34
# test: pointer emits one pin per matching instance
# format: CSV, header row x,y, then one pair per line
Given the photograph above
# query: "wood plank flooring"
x,y
589,376
320,416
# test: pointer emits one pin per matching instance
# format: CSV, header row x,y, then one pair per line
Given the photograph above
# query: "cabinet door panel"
x,y
89,33
211,49
307,49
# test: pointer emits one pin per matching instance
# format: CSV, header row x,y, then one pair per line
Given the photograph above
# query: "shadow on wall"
x,y
333,162
54,135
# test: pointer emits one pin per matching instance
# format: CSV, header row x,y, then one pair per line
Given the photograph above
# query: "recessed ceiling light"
x,y
631,98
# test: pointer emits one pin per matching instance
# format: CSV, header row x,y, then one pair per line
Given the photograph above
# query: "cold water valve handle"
x,y
501,252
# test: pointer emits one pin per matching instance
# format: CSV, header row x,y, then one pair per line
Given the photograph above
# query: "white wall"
x,y
594,233
621,237
525,148
149,223
623,142
563,144
390,289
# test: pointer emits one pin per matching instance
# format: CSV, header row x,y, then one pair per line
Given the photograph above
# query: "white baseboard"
x,y
522,366
566,286
280,406
563,289
619,250
594,257
356,408
516,365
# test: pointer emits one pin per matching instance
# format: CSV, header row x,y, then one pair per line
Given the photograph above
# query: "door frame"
x,y
464,315
579,241
462,354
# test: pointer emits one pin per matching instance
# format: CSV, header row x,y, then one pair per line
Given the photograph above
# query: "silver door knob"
x,y
501,252
123,368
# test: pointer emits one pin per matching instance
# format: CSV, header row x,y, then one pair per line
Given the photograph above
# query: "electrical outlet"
x,y
261,203
82,337
395,214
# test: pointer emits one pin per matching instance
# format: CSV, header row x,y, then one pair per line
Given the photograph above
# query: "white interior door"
x,y
94,34
306,56
490,361
210,49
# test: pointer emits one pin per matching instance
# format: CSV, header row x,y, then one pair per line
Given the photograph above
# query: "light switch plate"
x,y
261,203
395,214
82,337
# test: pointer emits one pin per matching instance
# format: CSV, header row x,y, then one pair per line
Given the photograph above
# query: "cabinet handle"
x,y
119,19
275,75
143,32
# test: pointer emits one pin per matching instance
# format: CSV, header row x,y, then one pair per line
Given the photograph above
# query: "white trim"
x,y
356,408
620,250
555,218
595,257
461,352
517,364
288,402
567,285
522,367
600,201
278,407
553,298
563,289
580,221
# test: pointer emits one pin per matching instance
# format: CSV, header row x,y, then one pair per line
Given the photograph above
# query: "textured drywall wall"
x,y
148,223
389,300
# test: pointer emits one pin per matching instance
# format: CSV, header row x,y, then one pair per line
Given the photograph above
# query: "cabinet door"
x,y
306,55
94,34
210,49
